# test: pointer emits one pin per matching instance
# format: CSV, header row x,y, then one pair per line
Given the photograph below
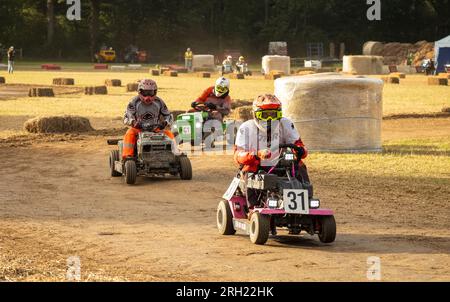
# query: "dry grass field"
x,y
58,201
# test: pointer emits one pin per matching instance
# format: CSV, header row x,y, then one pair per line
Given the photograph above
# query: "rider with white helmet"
x,y
217,99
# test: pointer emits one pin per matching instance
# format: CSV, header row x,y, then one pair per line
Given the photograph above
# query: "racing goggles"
x,y
221,89
269,115
146,93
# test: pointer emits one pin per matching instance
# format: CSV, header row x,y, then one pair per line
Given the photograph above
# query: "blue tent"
x,y
442,51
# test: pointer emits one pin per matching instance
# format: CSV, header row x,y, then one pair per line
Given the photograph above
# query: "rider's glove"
x,y
264,154
137,125
164,124
211,106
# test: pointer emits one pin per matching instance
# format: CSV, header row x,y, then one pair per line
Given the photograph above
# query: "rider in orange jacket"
x,y
217,99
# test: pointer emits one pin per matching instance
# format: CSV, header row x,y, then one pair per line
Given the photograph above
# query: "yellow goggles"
x,y
221,89
269,115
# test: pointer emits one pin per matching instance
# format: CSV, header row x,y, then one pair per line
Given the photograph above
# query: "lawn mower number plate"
x,y
232,189
187,130
296,201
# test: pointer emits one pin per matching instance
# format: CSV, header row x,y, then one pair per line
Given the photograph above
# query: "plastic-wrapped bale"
x,y
113,83
2,80
203,63
58,124
333,112
373,48
41,92
63,81
437,81
391,80
281,63
363,65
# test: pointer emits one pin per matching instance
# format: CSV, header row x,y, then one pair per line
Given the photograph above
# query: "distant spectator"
x,y
188,58
11,56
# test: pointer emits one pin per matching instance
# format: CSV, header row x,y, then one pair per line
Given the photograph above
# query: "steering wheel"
x,y
201,107
299,150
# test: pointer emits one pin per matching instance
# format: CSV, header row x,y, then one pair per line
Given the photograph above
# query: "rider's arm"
x,y
165,112
292,136
204,97
243,157
130,114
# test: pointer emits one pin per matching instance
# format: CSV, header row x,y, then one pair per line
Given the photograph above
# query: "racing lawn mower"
x,y
157,155
280,200
191,126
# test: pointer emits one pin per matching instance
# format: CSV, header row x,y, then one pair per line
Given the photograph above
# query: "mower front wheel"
x,y
185,168
259,229
327,232
130,172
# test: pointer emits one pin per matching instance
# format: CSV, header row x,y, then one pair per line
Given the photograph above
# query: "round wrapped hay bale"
x,y
373,48
2,80
203,63
63,81
363,65
244,113
241,103
170,73
58,124
154,72
280,63
113,83
205,75
95,90
132,87
333,112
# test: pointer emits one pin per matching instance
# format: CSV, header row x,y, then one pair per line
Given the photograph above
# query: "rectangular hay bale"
x,y
113,82
437,81
205,75
132,87
391,80
170,73
237,76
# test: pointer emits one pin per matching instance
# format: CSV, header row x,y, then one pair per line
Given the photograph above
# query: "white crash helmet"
x,y
222,87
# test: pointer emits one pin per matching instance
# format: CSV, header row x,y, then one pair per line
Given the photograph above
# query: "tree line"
x,y
167,27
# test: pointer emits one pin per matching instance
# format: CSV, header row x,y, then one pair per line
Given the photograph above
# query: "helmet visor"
x,y
148,92
269,115
221,90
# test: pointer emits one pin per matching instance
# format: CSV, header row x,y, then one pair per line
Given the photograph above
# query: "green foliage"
x,y
166,27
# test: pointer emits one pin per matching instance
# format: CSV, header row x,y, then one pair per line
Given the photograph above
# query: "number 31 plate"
x,y
296,201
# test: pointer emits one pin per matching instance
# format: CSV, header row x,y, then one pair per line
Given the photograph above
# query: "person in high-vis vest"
x,y
257,140
145,108
188,58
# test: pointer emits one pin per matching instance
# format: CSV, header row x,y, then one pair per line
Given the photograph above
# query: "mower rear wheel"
x,y
225,219
259,229
130,172
113,157
327,232
185,168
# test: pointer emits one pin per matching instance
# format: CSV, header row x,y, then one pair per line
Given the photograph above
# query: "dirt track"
x,y
59,201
